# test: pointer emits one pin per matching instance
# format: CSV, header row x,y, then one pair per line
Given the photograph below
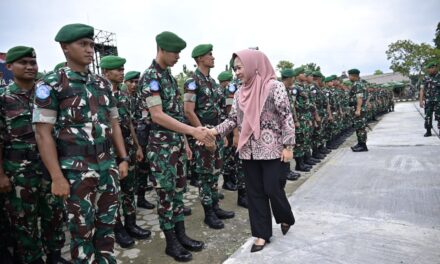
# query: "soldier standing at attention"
x,y
358,98
21,170
430,96
80,157
167,145
203,107
287,77
113,70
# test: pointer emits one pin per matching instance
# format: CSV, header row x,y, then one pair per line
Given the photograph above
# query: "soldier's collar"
x,y
158,68
79,76
13,87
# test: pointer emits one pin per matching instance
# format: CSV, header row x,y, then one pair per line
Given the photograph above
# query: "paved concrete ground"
x,y
381,206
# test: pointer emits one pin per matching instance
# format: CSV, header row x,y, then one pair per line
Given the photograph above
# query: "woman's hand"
x,y
287,155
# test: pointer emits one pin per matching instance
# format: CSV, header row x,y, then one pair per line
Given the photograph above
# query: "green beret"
x,y
347,82
354,71
225,76
298,71
170,42
201,50
317,74
431,64
330,78
132,75
19,52
112,62
72,32
286,73
308,72
334,76
59,65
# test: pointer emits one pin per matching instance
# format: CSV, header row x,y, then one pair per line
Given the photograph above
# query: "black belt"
x,y
18,155
86,150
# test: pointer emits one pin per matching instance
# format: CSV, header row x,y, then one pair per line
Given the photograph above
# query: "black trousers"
x,y
263,186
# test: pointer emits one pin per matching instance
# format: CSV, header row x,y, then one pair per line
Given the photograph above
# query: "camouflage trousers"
x,y
233,166
5,225
302,138
127,200
208,167
360,125
432,108
30,200
168,165
92,206
143,173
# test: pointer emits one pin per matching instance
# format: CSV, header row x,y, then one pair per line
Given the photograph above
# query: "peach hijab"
x,y
254,92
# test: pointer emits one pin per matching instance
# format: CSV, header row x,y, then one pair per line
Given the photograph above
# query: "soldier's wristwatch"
x,y
126,158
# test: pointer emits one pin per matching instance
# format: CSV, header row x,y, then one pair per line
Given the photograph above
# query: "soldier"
x,y
113,69
21,171
80,157
358,97
287,77
430,96
233,165
167,144
203,107
229,174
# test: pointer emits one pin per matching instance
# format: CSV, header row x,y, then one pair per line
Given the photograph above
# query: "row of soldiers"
x,y
86,144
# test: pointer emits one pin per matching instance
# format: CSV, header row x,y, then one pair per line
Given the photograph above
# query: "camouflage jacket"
x,y
16,134
431,85
207,96
124,110
158,87
358,90
81,106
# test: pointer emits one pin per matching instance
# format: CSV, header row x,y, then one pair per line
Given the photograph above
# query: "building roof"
x,y
385,78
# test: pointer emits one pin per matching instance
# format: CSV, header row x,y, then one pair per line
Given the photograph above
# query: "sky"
x,y
336,35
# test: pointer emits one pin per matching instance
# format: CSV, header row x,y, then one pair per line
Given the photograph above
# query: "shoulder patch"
x,y
295,91
154,86
327,94
192,86
43,91
314,91
232,88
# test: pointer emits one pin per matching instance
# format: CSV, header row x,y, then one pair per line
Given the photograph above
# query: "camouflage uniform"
x,y
166,149
209,104
358,90
431,86
232,163
128,184
317,98
304,118
31,196
81,107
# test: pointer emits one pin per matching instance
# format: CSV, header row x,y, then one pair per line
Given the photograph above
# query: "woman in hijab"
x,y
267,135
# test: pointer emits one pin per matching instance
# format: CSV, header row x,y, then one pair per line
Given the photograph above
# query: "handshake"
x,y
205,136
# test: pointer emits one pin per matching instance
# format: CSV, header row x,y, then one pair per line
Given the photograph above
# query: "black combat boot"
x,y
228,184
300,166
186,210
360,147
242,198
332,144
222,214
309,160
185,241
324,150
122,237
221,196
293,176
54,257
6,256
317,155
142,202
211,218
134,230
428,133
175,249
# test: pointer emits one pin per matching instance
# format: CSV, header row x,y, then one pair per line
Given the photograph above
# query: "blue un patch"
x,y
232,88
191,86
154,86
42,92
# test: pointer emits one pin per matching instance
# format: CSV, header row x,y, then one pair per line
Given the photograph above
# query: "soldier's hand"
x,y
235,141
60,187
422,104
189,152
211,147
5,184
123,170
287,155
203,135
357,113
297,124
139,154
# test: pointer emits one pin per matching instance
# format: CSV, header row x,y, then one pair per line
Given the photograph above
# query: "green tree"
x,y
437,37
378,72
408,57
284,64
311,66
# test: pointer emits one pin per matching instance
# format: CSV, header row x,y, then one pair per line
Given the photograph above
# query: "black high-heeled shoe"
x,y
256,248
285,228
